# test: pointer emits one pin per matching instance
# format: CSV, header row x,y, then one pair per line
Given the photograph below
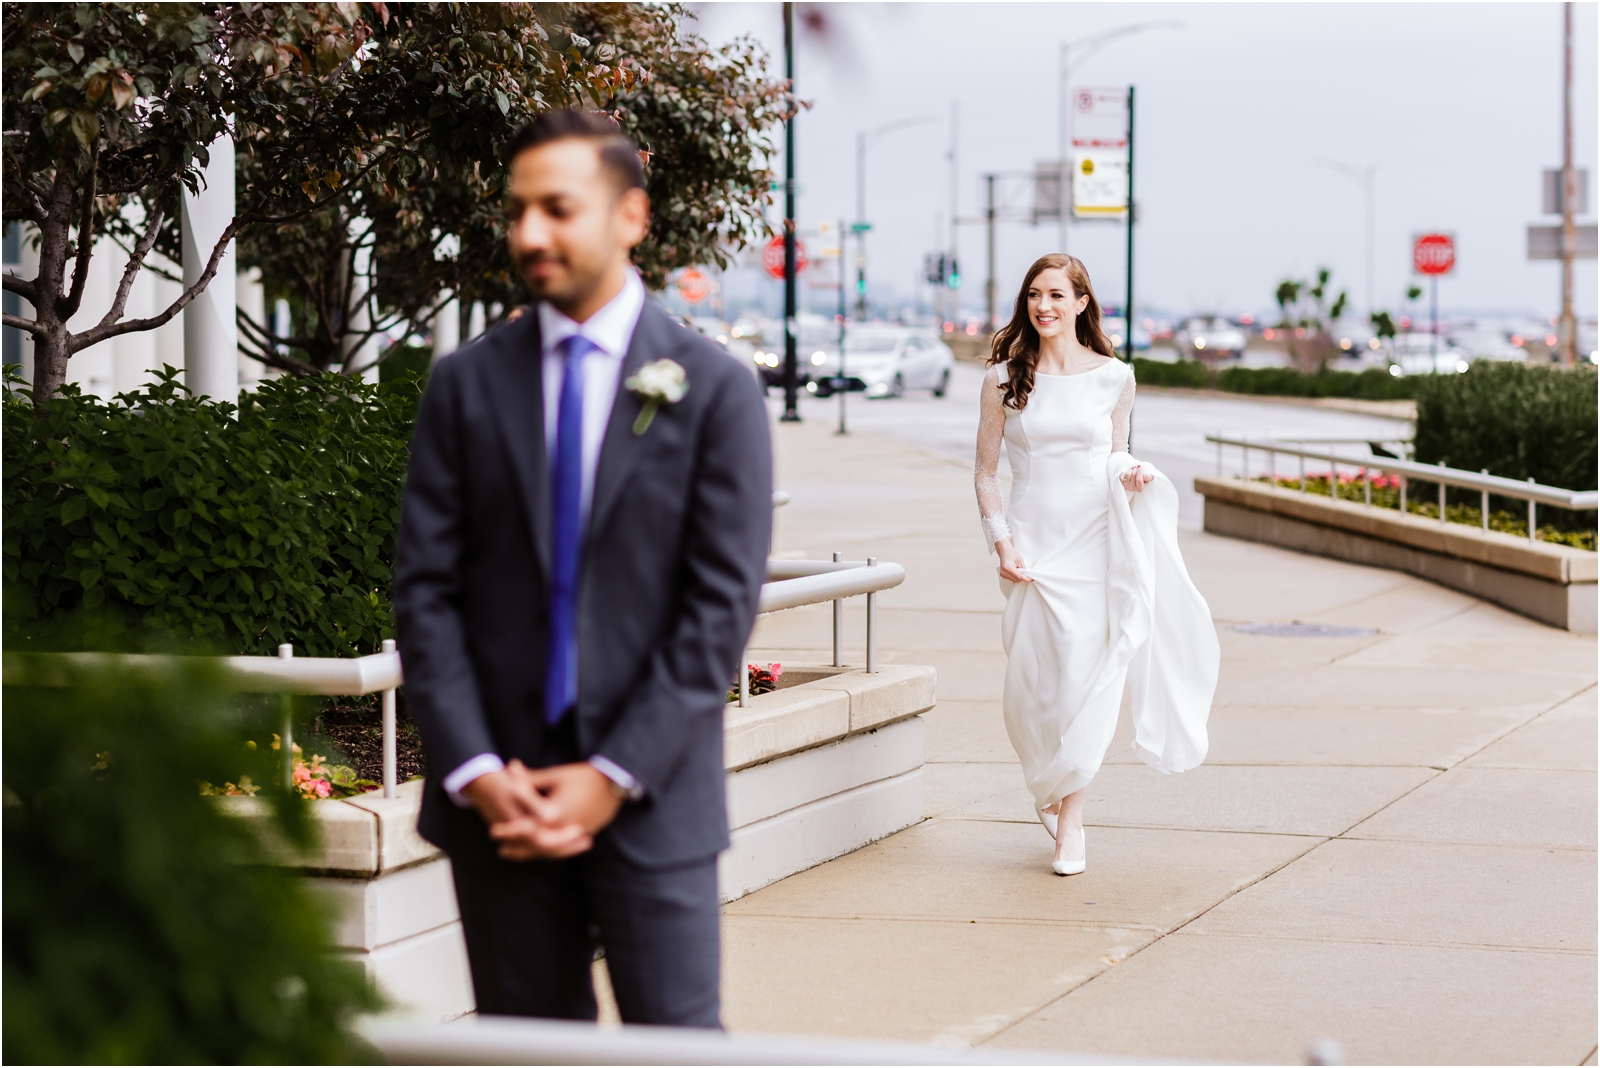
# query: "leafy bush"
x,y
1371,384
1518,422
247,528
142,925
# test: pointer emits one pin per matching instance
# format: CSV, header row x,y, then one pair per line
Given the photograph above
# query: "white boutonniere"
x,y
657,383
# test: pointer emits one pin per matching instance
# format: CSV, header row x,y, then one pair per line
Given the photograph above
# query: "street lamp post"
x,y
1362,176
1088,46
865,140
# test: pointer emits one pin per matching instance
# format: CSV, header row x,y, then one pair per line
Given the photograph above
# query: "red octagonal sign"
x,y
772,257
1433,254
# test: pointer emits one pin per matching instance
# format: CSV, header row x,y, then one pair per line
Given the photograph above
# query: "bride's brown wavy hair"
x,y
1017,343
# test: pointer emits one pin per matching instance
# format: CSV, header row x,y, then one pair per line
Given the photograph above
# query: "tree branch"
x,y
26,288
265,344
97,334
80,266
20,323
136,260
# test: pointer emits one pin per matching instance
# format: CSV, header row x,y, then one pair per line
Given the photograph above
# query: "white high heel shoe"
x,y
1073,867
1049,821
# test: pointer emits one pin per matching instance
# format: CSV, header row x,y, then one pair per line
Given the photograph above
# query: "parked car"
x,y
1420,354
1116,329
818,342
885,361
1210,338
1488,345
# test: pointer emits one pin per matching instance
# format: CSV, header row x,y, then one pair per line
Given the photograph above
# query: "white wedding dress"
x,y
1110,605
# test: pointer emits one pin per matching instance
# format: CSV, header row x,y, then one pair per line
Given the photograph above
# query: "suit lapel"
x,y
515,379
621,447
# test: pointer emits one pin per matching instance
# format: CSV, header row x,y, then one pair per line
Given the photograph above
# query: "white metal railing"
x,y
794,583
791,584
1530,491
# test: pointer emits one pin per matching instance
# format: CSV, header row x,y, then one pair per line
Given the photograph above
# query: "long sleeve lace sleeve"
x,y
1122,416
985,474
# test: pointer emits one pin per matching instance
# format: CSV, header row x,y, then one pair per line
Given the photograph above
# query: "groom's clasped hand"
x,y
544,813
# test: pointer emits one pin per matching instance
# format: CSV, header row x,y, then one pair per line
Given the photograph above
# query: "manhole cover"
x,y
1302,630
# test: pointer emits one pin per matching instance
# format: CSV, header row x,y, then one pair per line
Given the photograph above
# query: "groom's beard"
x,y
565,288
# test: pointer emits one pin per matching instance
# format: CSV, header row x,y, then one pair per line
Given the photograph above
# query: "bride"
x,y
1096,592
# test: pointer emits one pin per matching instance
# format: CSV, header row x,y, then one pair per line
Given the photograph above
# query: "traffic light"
x,y
953,279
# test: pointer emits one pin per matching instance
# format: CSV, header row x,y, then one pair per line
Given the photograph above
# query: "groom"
x,y
582,545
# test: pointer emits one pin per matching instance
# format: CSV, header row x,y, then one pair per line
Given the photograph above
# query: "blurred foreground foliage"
x,y
1371,384
273,522
142,924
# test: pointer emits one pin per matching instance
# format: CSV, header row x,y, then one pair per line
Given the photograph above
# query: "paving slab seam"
x,y
1418,943
1507,732
1241,888
1140,826
1590,1058
1001,921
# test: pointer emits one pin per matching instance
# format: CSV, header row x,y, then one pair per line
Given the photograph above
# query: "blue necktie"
x,y
566,535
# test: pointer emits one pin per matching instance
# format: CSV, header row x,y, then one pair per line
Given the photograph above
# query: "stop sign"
x,y
1433,253
772,257
694,286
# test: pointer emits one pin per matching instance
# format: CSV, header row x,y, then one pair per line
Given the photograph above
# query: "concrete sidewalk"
x,y
1392,844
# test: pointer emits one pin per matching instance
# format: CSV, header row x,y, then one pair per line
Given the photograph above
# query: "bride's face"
x,y
1052,305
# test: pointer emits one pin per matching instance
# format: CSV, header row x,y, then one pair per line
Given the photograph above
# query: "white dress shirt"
x,y
610,330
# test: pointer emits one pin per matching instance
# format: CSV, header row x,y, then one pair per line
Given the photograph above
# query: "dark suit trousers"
x,y
532,928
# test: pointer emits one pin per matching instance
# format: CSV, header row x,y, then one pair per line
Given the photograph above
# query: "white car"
x,y
1209,338
885,361
1420,354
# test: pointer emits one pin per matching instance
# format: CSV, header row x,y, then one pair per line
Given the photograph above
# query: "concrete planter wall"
x,y
824,765
1554,584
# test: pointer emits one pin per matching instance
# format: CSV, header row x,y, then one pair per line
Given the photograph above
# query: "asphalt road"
x,y
1169,429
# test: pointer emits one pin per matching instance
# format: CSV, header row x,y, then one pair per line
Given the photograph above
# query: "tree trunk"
x,y
49,365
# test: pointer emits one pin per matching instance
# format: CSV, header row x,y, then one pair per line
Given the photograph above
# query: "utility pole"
x,y
988,286
1568,331
860,227
844,387
1127,312
953,296
791,369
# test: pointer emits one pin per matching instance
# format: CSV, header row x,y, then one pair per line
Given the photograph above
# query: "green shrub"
x,y
142,925
1185,374
247,528
1371,384
1518,422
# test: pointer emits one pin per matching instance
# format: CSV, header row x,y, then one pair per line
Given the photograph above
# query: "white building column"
x,y
447,330
210,331
253,302
475,320
364,355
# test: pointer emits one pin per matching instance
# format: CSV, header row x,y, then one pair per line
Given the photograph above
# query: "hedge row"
x,y
244,528
1371,384
1515,421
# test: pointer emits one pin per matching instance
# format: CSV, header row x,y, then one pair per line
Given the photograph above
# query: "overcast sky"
x,y
1458,106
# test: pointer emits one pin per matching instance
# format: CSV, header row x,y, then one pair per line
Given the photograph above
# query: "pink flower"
x,y
323,789
776,669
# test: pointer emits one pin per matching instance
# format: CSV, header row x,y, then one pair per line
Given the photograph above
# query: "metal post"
x,y
1219,458
1272,468
1403,484
1244,462
988,286
838,623
744,679
844,389
1333,480
1366,485
1433,281
1441,496
286,736
791,367
1533,530
1483,508
1568,331
861,221
872,625
1302,467
390,759
1127,311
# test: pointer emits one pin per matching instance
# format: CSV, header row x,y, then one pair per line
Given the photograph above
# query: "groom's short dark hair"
x,y
618,156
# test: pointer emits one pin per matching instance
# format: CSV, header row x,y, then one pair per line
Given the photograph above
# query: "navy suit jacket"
x,y
672,566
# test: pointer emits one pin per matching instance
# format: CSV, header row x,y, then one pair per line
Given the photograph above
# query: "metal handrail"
x,y
795,583
1485,483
